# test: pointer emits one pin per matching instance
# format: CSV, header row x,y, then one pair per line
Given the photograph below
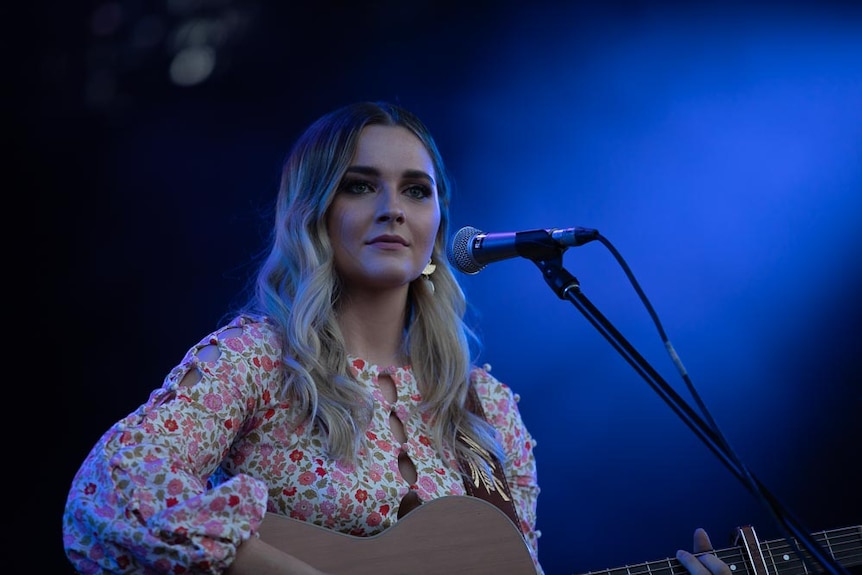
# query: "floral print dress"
x,y
177,485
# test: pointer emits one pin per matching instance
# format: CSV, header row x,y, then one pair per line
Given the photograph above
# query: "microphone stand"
x,y
566,286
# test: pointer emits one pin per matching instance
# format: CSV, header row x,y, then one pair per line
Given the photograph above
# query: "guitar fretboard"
x,y
844,545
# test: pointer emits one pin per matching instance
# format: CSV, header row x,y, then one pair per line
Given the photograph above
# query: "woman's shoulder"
x,y
242,334
500,405
249,326
256,326
488,386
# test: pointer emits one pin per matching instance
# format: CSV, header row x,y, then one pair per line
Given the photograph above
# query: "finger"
x,y
701,541
691,563
715,565
703,554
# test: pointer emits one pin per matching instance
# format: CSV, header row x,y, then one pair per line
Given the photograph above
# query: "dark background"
x,y
717,145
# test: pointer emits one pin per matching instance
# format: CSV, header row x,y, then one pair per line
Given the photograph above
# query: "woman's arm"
x,y
256,557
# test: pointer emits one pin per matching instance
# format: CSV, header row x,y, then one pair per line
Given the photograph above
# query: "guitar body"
x,y
453,534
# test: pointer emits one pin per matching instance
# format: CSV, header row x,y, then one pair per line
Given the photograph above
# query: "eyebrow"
x,y
371,171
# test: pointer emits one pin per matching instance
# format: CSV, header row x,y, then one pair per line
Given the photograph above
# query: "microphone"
x,y
471,250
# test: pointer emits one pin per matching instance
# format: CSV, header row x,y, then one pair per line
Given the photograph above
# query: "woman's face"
x,y
384,218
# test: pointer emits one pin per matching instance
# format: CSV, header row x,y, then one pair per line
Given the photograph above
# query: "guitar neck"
x,y
779,556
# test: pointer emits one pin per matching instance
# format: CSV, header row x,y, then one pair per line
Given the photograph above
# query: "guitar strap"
x,y
494,489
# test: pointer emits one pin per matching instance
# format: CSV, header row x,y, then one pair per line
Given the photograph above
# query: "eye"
x,y
418,191
357,187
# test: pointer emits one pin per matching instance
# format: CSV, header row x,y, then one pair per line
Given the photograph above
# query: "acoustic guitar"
x,y
467,535
455,534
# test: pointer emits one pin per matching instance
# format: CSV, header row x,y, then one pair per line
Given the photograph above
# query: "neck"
x,y
373,326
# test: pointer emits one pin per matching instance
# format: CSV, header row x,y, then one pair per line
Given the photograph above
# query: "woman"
x,y
342,395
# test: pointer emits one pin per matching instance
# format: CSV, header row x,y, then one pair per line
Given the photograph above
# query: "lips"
x,y
389,239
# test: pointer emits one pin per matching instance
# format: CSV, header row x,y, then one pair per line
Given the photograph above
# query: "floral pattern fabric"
x,y
177,485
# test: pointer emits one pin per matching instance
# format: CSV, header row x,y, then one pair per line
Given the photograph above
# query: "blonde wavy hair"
x,y
297,290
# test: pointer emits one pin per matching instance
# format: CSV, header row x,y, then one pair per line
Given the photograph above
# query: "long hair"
x,y
297,288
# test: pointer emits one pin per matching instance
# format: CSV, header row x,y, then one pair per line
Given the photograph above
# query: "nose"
x,y
390,207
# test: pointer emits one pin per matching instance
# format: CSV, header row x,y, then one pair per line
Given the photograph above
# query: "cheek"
x,y
433,229
340,254
338,228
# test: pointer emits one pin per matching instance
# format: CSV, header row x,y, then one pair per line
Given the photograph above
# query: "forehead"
x,y
392,147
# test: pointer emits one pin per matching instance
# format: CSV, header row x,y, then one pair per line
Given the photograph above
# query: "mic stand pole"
x,y
566,286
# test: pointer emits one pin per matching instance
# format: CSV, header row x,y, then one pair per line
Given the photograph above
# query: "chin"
x,y
392,280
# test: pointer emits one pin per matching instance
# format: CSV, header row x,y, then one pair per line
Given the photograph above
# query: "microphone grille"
x,y
458,252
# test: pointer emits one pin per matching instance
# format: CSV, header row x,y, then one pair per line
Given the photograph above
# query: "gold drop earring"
x,y
426,275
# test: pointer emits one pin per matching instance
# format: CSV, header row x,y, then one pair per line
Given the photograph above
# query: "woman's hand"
x,y
702,561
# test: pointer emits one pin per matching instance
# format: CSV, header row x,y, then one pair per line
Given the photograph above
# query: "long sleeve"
x,y
139,502
500,404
